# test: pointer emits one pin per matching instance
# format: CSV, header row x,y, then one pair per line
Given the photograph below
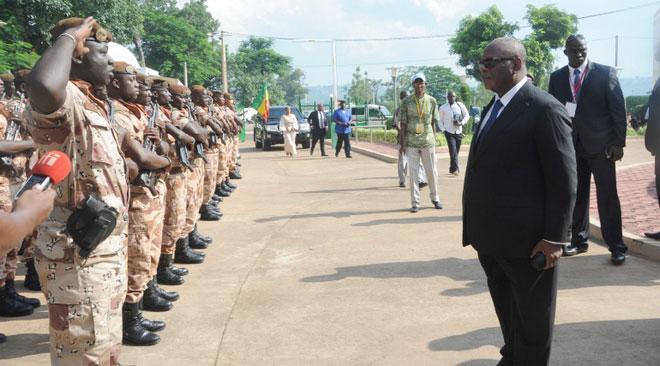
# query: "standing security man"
x,y
83,280
319,124
593,98
342,119
453,116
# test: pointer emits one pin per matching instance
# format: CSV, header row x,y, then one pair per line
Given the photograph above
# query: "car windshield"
x,y
275,113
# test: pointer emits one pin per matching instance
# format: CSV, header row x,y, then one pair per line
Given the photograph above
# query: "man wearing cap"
x,y
342,118
143,212
84,295
418,115
15,155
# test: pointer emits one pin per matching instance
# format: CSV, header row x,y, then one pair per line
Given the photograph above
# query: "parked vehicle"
x,y
372,115
267,133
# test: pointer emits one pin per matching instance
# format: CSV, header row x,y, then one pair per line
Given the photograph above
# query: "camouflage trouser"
x,y
210,174
7,260
175,211
15,183
223,168
194,193
157,229
142,216
233,155
85,299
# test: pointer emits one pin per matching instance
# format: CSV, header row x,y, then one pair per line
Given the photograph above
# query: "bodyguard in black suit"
x,y
593,97
519,193
652,136
319,128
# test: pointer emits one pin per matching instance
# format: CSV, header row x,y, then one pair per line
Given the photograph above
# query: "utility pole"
x,y
224,61
334,71
185,73
616,51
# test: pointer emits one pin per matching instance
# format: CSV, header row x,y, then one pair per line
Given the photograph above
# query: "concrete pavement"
x,y
317,261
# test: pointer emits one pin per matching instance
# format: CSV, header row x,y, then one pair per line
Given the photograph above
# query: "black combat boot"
x,y
31,277
220,191
151,301
216,198
167,295
216,210
165,274
183,253
205,238
11,291
235,175
207,214
150,325
10,306
230,184
179,271
226,187
134,333
196,243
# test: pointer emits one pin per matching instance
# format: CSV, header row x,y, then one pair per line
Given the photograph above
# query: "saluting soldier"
x,y
83,279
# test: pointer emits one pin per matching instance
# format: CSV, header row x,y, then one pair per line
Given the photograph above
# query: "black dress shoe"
x,y
568,251
414,209
655,236
311,152
324,154
337,154
152,301
3,338
574,249
349,157
422,185
31,277
437,205
402,185
166,274
617,258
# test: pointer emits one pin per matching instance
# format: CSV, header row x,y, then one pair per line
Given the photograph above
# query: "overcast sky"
x,y
349,19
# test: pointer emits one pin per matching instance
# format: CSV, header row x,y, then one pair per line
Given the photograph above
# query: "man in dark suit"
x,y
519,192
652,136
593,98
319,128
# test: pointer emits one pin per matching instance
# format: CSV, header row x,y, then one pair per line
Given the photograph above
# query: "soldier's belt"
x,y
176,170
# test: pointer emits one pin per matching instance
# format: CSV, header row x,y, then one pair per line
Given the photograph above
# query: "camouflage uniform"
x,y
84,295
210,168
194,181
175,198
223,168
142,213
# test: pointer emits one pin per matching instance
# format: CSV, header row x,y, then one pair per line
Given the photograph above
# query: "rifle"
x,y
145,177
13,128
182,151
213,137
199,147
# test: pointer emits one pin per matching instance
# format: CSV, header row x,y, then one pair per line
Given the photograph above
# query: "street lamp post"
x,y
394,70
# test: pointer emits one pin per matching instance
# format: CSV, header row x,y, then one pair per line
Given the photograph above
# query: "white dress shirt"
x,y
505,100
447,112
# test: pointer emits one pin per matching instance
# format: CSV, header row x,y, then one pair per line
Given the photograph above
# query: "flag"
x,y
262,103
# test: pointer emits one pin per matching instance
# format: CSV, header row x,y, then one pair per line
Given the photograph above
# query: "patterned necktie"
x,y
321,125
576,78
491,120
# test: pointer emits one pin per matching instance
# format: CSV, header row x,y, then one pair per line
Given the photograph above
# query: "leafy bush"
x,y
390,137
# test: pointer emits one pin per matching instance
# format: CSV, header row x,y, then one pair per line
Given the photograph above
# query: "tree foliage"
x,y
360,89
15,54
439,79
550,28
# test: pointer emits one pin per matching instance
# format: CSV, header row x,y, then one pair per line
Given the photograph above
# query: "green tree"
x,y
171,41
198,16
474,33
15,54
291,83
360,89
439,80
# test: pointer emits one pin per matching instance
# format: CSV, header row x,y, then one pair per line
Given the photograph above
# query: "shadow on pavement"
x,y
337,215
28,344
411,220
613,342
454,268
348,190
479,362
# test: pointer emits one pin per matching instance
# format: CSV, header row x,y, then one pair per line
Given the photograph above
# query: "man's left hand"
x,y
551,251
615,153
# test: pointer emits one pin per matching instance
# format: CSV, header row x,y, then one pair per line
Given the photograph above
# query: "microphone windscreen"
x,y
53,164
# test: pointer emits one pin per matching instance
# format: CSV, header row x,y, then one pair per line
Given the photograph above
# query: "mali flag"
x,y
262,103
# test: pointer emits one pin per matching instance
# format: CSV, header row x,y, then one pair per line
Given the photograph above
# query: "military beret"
x,y
121,67
227,95
144,79
216,92
159,82
198,89
6,77
21,75
187,90
177,89
98,33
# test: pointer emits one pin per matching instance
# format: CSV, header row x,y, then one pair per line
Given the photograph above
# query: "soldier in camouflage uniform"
x,y
12,176
143,211
222,188
234,172
84,295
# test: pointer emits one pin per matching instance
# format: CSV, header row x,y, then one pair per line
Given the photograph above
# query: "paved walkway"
x,y
317,261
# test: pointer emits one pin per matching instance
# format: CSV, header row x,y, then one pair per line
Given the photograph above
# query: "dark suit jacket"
x,y
520,183
600,118
314,120
652,137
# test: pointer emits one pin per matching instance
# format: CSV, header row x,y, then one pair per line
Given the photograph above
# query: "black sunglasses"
x,y
489,63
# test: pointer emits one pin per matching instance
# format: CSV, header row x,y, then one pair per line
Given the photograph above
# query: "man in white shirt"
x,y
453,116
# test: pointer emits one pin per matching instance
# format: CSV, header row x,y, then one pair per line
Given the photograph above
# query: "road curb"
x,y
370,153
641,246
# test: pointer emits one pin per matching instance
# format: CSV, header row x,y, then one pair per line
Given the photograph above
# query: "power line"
x,y
380,63
407,38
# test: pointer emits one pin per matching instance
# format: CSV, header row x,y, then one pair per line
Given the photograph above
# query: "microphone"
x,y
50,169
